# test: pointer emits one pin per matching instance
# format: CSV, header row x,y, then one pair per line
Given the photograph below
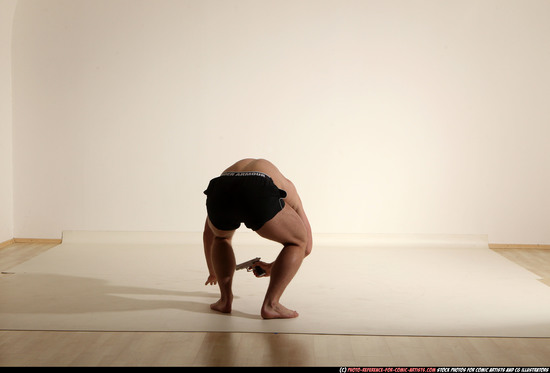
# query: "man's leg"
x,y
223,260
288,229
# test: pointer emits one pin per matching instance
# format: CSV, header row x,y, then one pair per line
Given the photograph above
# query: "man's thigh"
x,y
218,232
286,228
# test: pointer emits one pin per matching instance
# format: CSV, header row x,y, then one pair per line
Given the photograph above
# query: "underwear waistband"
x,y
245,173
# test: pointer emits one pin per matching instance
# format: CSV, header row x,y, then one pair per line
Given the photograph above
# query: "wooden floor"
x,y
50,348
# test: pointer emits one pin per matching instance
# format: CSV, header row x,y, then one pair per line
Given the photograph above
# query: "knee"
x,y
303,241
309,247
301,244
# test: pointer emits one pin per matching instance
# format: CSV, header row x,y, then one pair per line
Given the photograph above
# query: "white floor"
x,y
372,285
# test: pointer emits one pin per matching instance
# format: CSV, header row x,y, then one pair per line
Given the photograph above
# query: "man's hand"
x,y
212,280
265,266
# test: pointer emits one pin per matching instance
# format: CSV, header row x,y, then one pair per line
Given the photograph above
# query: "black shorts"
x,y
251,198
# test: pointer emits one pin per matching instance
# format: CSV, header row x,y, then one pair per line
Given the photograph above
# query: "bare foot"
x,y
277,311
221,306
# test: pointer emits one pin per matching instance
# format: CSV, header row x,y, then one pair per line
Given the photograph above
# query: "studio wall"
x,y
417,117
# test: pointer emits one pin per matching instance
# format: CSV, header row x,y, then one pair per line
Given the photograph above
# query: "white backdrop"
x,y
389,116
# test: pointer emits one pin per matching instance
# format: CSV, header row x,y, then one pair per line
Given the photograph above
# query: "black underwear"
x,y
250,197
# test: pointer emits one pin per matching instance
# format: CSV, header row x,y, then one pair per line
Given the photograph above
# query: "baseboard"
x,y
30,240
493,246
6,243
497,246
250,238
37,240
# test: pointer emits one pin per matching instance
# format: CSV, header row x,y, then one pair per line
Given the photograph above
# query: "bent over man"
x,y
254,192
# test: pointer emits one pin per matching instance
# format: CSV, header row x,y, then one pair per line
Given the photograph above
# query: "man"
x,y
255,192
